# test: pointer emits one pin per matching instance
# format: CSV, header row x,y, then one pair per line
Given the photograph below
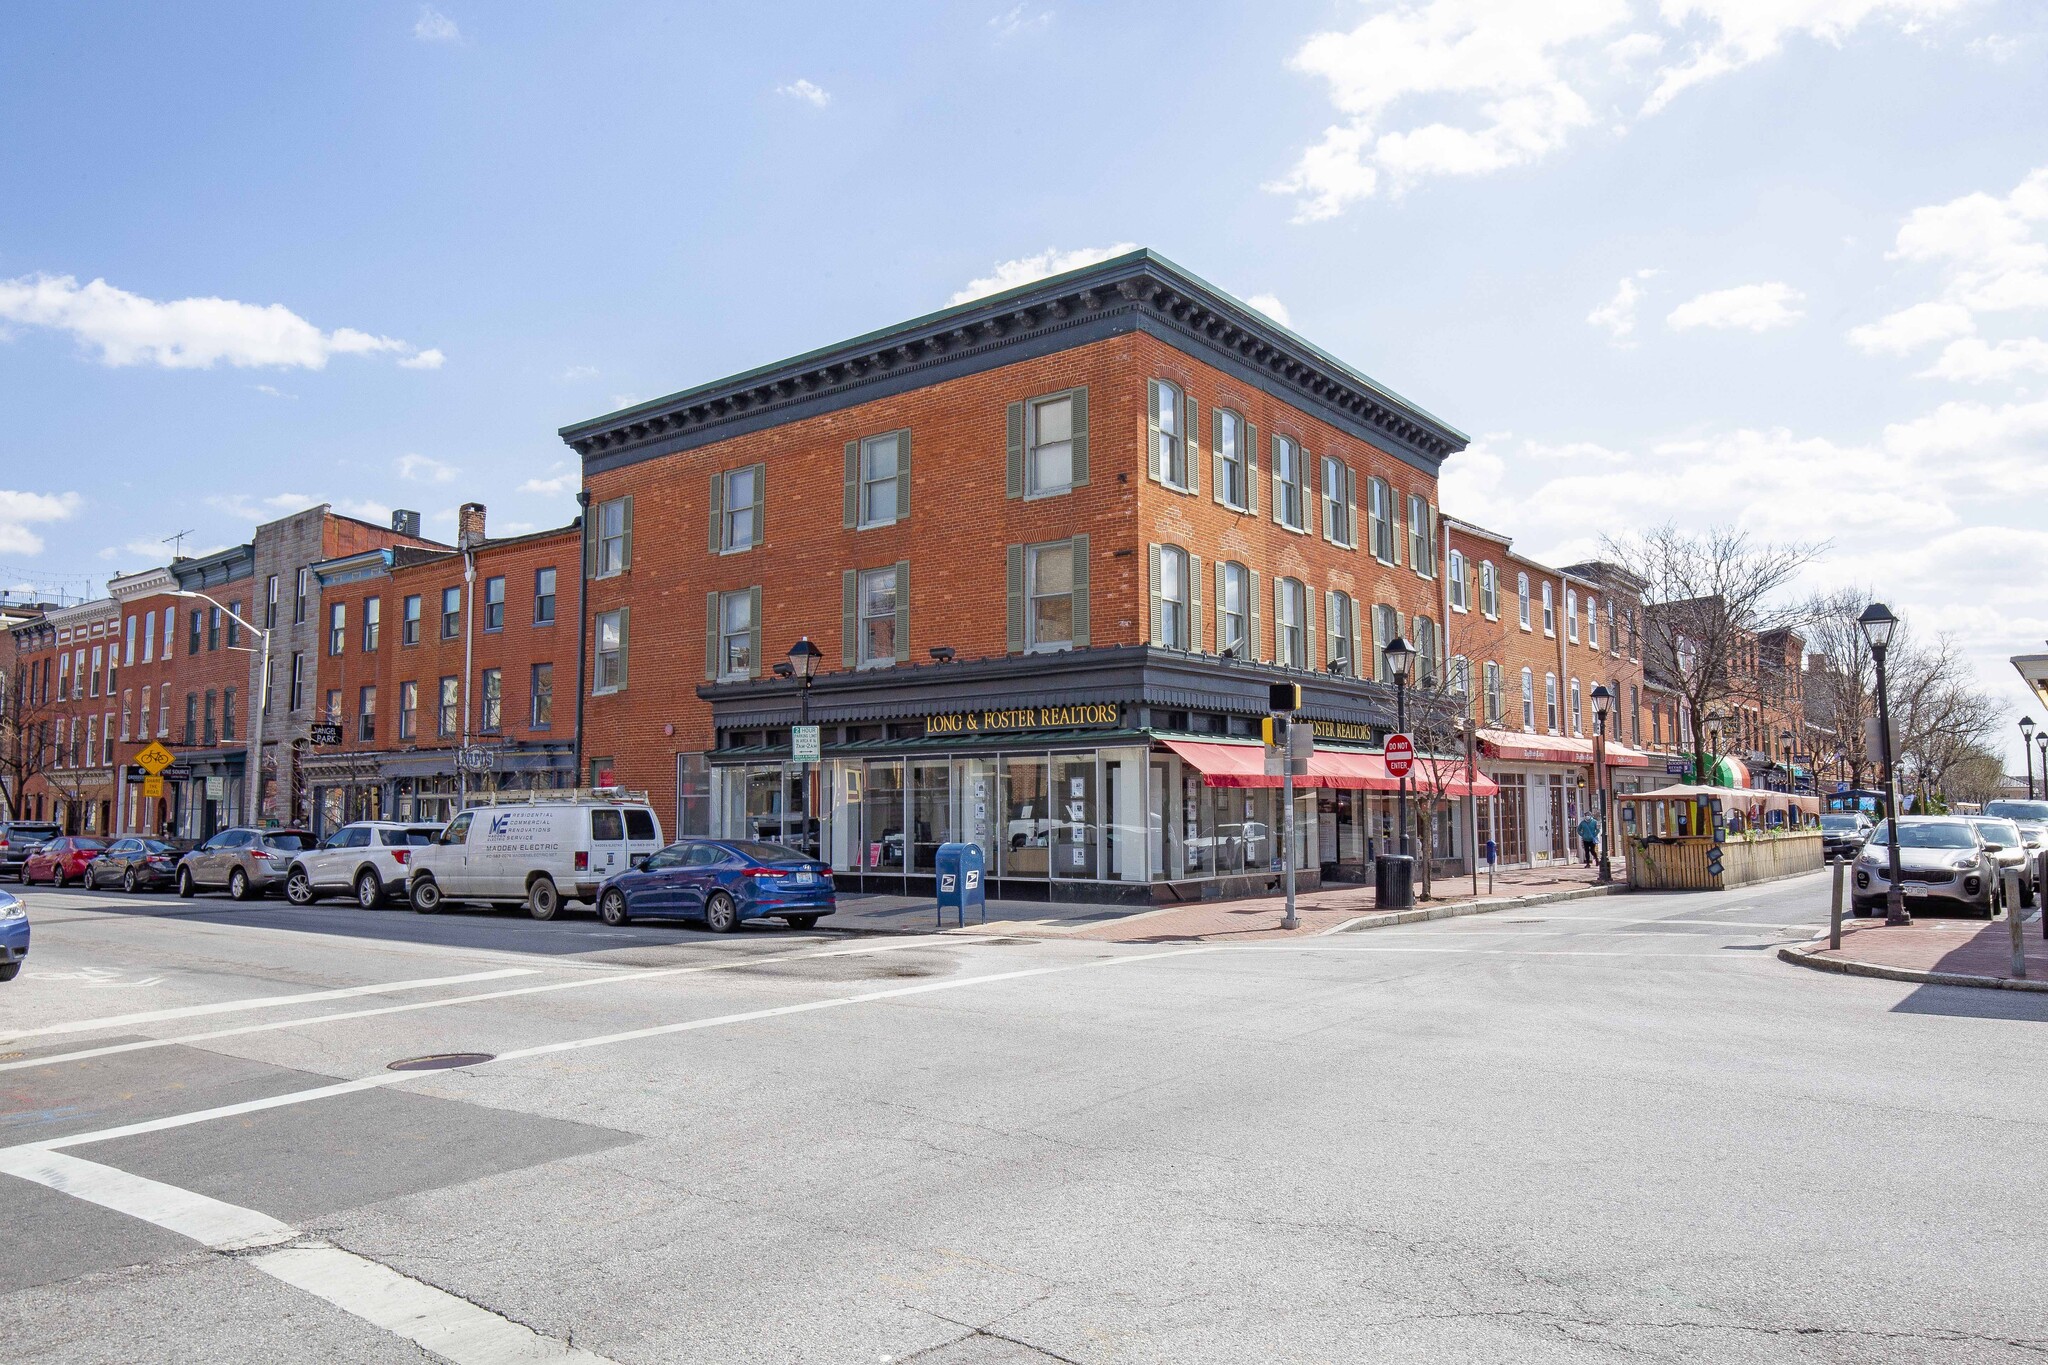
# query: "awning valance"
x,y
1227,765
1521,747
1244,765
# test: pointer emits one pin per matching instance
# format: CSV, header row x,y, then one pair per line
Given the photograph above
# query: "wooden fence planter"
x,y
1668,837
1681,864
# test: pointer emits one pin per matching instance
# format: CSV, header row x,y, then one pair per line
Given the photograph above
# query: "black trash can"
x,y
1393,881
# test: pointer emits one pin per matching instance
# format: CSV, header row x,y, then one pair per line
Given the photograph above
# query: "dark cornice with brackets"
x,y
1137,292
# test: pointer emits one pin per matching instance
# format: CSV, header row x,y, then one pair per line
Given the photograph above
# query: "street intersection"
x,y
1603,1129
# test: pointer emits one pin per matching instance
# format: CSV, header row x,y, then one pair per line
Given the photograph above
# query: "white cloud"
x,y
424,469
1731,34
1990,248
129,329
273,391
20,512
578,372
1747,307
1019,20
1271,306
435,27
1995,46
1618,314
814,95
1634,48
1025,269
247,508
1496,62
561,479
429,359
1911,328
1975,361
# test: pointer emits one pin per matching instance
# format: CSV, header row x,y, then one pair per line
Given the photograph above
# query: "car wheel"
x,y
369,891
128,881
298,887
803,921
9,971
611,908
185,886
238,885
62,879
426,895
721,915
543,901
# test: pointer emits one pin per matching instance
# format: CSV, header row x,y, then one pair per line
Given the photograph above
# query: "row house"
x,y
1758,731
1076,529
425,655
21,741
63,703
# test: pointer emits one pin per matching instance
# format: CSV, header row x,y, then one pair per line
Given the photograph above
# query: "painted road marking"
x,y
622,977
259,1003
432,1319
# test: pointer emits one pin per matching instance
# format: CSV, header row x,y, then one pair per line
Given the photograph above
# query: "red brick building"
x,y
423,652
1053,545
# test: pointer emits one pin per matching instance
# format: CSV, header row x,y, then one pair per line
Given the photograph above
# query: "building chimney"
x,y
469,525
406,523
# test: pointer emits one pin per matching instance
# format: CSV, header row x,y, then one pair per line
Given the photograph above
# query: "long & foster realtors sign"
x,y
999,720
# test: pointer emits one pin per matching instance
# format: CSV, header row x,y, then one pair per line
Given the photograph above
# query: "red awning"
x,y
1527,748
1228,765
1353,769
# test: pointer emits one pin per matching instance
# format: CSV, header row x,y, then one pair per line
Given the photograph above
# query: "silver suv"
x,y
1940,858
247,862
369,860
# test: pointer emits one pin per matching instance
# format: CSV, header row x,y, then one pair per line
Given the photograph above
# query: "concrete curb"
x,y
1460,909
1809,955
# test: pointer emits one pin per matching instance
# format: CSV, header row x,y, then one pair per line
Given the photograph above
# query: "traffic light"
x,y
1270,731
1285,697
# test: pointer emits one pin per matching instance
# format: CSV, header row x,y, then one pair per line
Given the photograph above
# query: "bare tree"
x,y
28,738
1976,777
1707,597
1440,707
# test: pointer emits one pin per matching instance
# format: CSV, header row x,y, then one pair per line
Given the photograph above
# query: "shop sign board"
x,y
1342,731
324,733
1093,715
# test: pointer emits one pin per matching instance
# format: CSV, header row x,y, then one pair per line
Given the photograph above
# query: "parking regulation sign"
x,y
1400,754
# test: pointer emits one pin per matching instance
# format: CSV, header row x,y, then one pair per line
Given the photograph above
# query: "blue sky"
x,y
1658,258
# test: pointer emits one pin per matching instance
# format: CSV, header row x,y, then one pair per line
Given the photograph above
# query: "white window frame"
x,y
606,659
1235,575
1336,512
1461,592
1571,614
727,635
1421,555
1175,616
1592,622
867,657
1034,555
1522,598
1529,700
1287,483
1550,715
1496,699
1342,629
871,483
1379,506
736,522
1578,709
1290,599
1035,485
1169,414
611,538
1549,612
1228,428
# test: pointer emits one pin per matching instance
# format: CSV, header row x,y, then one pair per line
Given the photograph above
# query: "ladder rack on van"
x,y
547,795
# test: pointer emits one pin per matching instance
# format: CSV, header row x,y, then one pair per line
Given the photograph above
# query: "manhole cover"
x,y
440,1061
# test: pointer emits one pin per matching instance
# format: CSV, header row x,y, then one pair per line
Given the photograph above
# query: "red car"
x,y
62,861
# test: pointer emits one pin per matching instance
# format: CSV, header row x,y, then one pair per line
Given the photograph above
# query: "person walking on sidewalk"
x,y
1589,838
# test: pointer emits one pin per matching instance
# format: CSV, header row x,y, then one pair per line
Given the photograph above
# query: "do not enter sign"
x,y
1400,755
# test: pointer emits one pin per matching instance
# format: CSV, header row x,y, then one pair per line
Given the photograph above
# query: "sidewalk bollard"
x,y
1835,909
2012,914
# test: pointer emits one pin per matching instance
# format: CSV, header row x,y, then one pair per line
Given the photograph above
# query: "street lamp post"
x,y
1400,656
803,665
254,799
2027,747
1878,625
1602,700
1785,743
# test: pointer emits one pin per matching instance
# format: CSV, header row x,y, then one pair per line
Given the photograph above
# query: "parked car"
x,y
1842,833
369,859
722,882
247,862
13,935
62,860
1941,858
18,839
2007,808
138,863
532,852
2008,848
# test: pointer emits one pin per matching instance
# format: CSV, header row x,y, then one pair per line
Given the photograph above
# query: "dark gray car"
x,y
246,863
18,839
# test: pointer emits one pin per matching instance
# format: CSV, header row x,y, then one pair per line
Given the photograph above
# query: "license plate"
x,y
806,878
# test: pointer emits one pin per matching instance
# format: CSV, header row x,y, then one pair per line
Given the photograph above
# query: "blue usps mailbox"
x,y
962,882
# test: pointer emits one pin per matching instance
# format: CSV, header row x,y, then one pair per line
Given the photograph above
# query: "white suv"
x,y
369,860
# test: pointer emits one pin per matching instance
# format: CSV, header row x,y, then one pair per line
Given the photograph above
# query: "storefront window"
x,y
931,812
882,815
1124,821
974,785
1029,820
1074,832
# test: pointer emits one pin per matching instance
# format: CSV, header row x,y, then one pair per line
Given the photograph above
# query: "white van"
x,y
534,848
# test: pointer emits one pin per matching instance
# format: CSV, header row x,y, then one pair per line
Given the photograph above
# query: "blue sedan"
x,y
13,935
721,882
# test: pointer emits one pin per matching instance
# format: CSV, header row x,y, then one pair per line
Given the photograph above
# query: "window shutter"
x,y
1325,523
903,477
1331,646
1394,532
717,511
1216,480
1080,426
1195,603
711,625
1192,427
1379,640
760,503
1013,448
1080,544
1279,617
852,513
1154,618
754,632
626,550
1360,666
902,610
1015,559
1254,636
849,621
625,641
1152,430
1249,437
1351,507
1308,627
1435,555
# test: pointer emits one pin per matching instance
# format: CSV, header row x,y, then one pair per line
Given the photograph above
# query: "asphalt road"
x,y
1603,1130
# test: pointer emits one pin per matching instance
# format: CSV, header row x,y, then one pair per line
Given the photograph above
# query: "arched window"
x,y
1489,590
1233,609
1459,599
1571,614
1528,699
1522,594
1290,623
1172,607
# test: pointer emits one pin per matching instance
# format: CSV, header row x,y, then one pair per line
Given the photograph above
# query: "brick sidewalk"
x,y
1944,951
